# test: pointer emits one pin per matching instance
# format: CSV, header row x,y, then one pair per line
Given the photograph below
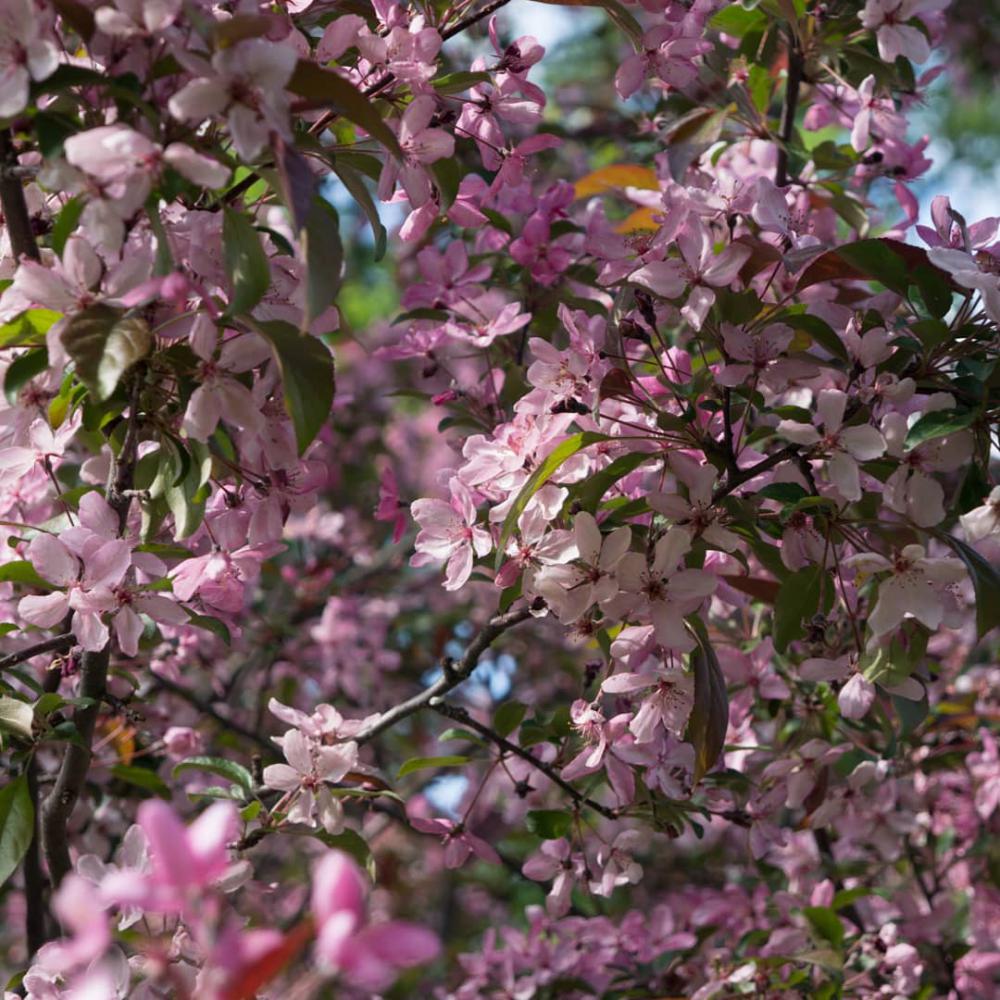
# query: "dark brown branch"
x,y
727,430
13,204
73,773
796,65
35,883
458,714
454,672
57,644
825,848
737,479
947,961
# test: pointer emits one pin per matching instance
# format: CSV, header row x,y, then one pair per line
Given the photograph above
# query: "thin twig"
x,y
56,644
459,26
454,672
207,708
458,714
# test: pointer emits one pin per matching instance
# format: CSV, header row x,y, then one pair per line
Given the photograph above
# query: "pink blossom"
x,y
448,533
699,269
371,955
845,447
459,844
255,69
887,18
307,777
421,145
185,860
914,588
27,52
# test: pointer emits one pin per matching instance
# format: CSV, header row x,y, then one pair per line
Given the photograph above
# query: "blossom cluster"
x,y
685,444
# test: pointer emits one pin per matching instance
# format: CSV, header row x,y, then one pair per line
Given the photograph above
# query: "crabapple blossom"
x,y
369,955
914,588
448,532
696,437
844,447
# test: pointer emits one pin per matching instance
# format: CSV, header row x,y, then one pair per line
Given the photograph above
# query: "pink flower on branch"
x,y
448,533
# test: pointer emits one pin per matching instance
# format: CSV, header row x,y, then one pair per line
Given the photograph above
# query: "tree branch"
x,y
56,644
796,65
737,479
13,204
73,773
459,714
467,22
454,672
69,782
35,884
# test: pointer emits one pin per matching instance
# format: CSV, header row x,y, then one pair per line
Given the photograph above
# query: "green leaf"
x,y
549,824
49,703
66,222
508,717
22,571
455,733
347,840
737,20
592,491
141,777
324,88
422,763
104,343
211,624
307,374
16,716
985,581
457,83
782,492
230,794
563,451
355,184
246,263
706,729
219,766
252,811
186,502
826,924
17,825
28,329
848,896
324,256
22,370
882,260
820,331
934,289
937,424
798,598
296,180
